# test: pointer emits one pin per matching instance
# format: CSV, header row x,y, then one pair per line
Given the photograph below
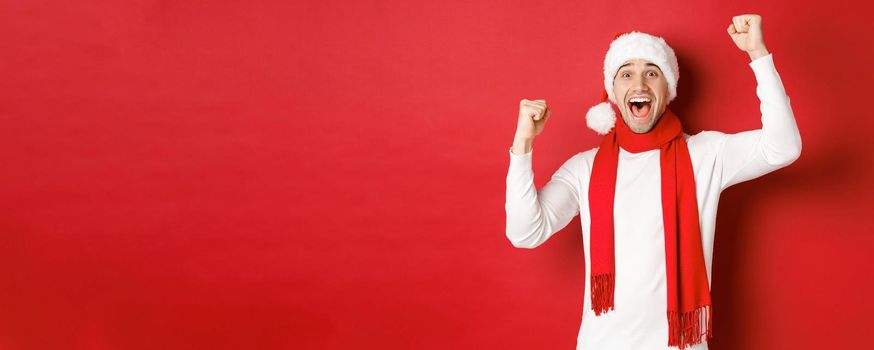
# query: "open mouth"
x,y
640,107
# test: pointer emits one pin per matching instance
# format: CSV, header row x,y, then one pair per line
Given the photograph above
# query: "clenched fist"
x,y
533,115
532,118
746,32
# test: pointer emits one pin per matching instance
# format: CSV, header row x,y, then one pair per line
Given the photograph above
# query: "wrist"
x,y
522,145
754,54
522,138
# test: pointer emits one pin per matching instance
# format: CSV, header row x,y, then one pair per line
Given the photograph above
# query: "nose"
x,y
638,83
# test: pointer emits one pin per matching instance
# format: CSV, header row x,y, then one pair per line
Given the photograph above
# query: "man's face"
x,y
641,92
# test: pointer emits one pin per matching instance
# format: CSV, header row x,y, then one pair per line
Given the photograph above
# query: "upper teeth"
x,y
639,99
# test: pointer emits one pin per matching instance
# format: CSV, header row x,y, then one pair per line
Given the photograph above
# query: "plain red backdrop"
x,y
331,174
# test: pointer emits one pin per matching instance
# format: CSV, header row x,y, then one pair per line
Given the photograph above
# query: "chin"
x,y
641,128
637,127
639,131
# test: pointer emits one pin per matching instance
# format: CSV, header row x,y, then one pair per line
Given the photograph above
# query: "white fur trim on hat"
x,y
601,118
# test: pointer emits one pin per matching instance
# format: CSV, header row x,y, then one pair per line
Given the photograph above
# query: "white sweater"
x,y
719,160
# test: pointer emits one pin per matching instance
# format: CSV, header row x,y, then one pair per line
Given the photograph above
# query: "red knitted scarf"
x,y
689,305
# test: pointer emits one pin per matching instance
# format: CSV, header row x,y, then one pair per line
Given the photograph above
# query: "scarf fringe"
x,y
685,329
602,292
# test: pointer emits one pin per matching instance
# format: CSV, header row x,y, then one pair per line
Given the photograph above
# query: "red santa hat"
x,y
627,46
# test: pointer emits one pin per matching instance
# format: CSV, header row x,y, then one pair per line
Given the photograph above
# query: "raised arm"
x,y
750,154
532,216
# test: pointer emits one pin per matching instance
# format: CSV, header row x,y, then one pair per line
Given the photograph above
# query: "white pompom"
x,y
601,118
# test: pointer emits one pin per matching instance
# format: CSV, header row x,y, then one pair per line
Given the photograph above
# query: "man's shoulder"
x,y
582,160
705,140
705,136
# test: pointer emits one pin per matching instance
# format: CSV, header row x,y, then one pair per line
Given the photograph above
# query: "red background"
x,y
331,175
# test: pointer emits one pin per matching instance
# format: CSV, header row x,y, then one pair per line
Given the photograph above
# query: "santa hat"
x,y
627,46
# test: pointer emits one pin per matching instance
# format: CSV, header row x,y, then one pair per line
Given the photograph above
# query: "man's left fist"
x,y
746,32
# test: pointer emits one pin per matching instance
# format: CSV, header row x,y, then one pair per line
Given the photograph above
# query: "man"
x,y
647,196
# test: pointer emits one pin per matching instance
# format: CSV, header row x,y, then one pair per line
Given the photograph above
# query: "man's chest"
x,y
637,204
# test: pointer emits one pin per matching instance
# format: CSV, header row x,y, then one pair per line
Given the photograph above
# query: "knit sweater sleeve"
x,y
750,154
533,216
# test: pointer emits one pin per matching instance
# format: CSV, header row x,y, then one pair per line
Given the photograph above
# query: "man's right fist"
x,y
532,118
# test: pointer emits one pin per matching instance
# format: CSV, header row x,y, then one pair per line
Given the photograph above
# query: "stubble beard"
x,y
638,128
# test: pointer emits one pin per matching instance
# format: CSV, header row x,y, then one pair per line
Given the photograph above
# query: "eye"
x,y
653,74
625,74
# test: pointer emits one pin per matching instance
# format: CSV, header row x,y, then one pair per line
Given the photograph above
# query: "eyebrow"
x,y
648,64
